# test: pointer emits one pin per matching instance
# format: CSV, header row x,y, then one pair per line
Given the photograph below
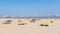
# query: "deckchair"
x,y
7,22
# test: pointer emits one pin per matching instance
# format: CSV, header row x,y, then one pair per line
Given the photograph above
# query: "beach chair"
x,y
33,20
22,21
8,22
46,22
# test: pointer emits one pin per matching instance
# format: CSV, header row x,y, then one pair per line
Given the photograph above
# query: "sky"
x,y
29,7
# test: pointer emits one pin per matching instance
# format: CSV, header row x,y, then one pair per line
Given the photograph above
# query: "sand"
x,y
29,28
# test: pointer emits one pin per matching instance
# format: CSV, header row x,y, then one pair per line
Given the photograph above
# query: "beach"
x,y
29,28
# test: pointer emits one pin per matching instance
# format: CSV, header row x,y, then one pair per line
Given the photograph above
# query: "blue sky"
x,y
29,7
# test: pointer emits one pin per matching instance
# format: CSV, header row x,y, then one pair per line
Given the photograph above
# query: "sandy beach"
x,y
29,28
